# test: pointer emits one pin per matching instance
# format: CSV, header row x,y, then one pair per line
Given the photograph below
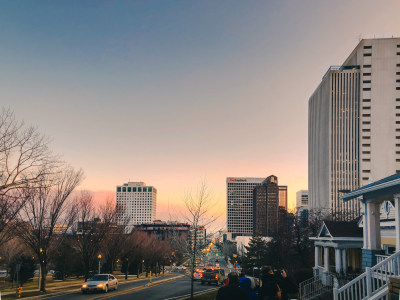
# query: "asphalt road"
x,y
158,290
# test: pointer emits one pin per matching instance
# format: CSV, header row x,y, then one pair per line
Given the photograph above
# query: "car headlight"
x,y
84,286
100,285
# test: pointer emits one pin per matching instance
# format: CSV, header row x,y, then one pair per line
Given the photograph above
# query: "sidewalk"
x,y
76,287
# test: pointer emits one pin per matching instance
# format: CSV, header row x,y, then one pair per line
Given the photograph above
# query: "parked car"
x,y
100,283
216,276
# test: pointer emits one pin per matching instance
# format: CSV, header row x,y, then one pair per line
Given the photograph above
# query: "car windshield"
x,y
99,278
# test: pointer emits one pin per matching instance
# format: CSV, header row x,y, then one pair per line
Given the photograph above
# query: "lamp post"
x,y
99,257
126,269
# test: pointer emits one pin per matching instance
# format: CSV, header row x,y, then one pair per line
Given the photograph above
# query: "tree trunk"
x,y
126,271
43,268
193,264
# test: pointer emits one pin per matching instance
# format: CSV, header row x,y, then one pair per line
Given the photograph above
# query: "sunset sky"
x,y
175,92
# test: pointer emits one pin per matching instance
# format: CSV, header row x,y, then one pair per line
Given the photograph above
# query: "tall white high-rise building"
x,y
354,125
240,204
136,204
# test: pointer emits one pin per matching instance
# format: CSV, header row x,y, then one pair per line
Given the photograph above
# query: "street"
x,y
160,289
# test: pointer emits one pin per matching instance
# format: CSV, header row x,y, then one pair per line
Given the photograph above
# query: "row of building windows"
x,y
134,189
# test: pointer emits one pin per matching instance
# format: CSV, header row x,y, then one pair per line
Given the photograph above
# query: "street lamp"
x,y
99,257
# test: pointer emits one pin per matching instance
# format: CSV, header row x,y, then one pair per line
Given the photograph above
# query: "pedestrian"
x,y
286,284
245,284
232,291
270,289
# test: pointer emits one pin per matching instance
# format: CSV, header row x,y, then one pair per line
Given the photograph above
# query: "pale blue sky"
x,y
169,92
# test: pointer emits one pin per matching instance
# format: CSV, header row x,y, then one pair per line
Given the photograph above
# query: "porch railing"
x,y
315,286
380,258
372,282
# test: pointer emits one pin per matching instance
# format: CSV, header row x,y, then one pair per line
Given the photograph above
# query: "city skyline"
x,y
173,93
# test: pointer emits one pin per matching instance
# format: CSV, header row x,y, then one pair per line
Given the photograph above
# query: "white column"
x,y
372,226
316,256
326,258
397,220
365,227
344,260
338,257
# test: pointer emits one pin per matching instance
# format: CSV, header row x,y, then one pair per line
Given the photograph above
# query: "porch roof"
x,y
339,230
339,235
383,189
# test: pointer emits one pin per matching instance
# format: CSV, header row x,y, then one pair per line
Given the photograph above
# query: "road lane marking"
x,y
137,288
194,294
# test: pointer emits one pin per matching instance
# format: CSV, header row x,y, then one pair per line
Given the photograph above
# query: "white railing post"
x,y
368,281
335,294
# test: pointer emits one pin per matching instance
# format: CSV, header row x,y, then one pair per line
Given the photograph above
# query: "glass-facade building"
x,y
240,204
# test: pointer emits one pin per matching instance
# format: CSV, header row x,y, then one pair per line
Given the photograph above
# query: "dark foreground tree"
x,y
24,158
47,214
22,268
94,225
255,253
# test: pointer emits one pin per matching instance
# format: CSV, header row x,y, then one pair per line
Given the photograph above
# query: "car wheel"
x,y
202,282
106,289
83,292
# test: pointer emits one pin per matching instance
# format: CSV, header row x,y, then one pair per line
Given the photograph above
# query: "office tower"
x,y
283,196
302,205
136,204
266,207
354,126
240,205
301,199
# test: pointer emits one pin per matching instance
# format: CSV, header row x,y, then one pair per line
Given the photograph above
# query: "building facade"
x,y
301,198
136,204
165,231
283,196
266,207
354,126
199,235
240,205
302,206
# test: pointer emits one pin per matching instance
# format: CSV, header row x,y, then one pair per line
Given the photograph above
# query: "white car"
x,y
100,283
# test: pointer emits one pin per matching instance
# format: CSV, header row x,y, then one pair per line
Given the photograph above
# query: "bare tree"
x,y
134,251
24,159
198,214
93,227
116,238
47,214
